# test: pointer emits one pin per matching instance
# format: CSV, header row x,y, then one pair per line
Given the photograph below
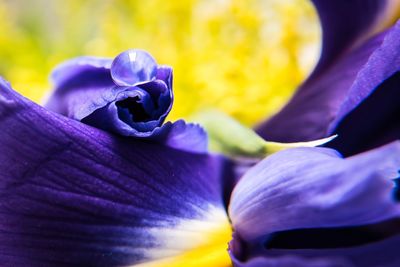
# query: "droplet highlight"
x,y
133,67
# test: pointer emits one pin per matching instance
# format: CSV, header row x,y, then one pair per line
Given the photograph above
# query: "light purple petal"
x,y
74,195
72,69
185,136
164,73
315,188
326,98
85,85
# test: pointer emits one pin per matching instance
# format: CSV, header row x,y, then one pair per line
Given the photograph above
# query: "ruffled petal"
x,y
128,111
74,195
326,98
130,95
125,94
315,188
185,136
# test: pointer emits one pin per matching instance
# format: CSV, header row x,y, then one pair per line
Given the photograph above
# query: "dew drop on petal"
x,y
133,67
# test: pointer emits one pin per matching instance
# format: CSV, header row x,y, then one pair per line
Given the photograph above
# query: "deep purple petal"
x,y
73,69
344,23
315,188
290,261
383,253
383,63
324,247
373,123
323,101
73,195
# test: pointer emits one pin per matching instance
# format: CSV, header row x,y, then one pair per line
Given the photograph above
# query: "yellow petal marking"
x,y
193,243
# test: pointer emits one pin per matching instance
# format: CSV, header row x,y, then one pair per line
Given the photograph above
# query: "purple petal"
x,y
184,136
164,73
373,123
383,64
73,69
317,247
129,111
259,257
87,89
345,23
315,188
73,195
383,253
325,99
290,261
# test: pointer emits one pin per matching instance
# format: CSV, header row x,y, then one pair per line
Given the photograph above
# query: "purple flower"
x,y
130,95
133,191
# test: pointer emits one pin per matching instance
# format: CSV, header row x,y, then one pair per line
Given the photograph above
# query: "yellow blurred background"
x,y
244,57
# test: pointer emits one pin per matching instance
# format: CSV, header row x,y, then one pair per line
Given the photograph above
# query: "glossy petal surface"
x,y
74,195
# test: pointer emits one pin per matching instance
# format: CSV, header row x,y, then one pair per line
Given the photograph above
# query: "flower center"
x,y
134,107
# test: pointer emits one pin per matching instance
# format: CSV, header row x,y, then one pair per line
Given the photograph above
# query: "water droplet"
x,y
133,67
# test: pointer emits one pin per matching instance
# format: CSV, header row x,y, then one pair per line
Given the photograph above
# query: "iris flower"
x,y
97,179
